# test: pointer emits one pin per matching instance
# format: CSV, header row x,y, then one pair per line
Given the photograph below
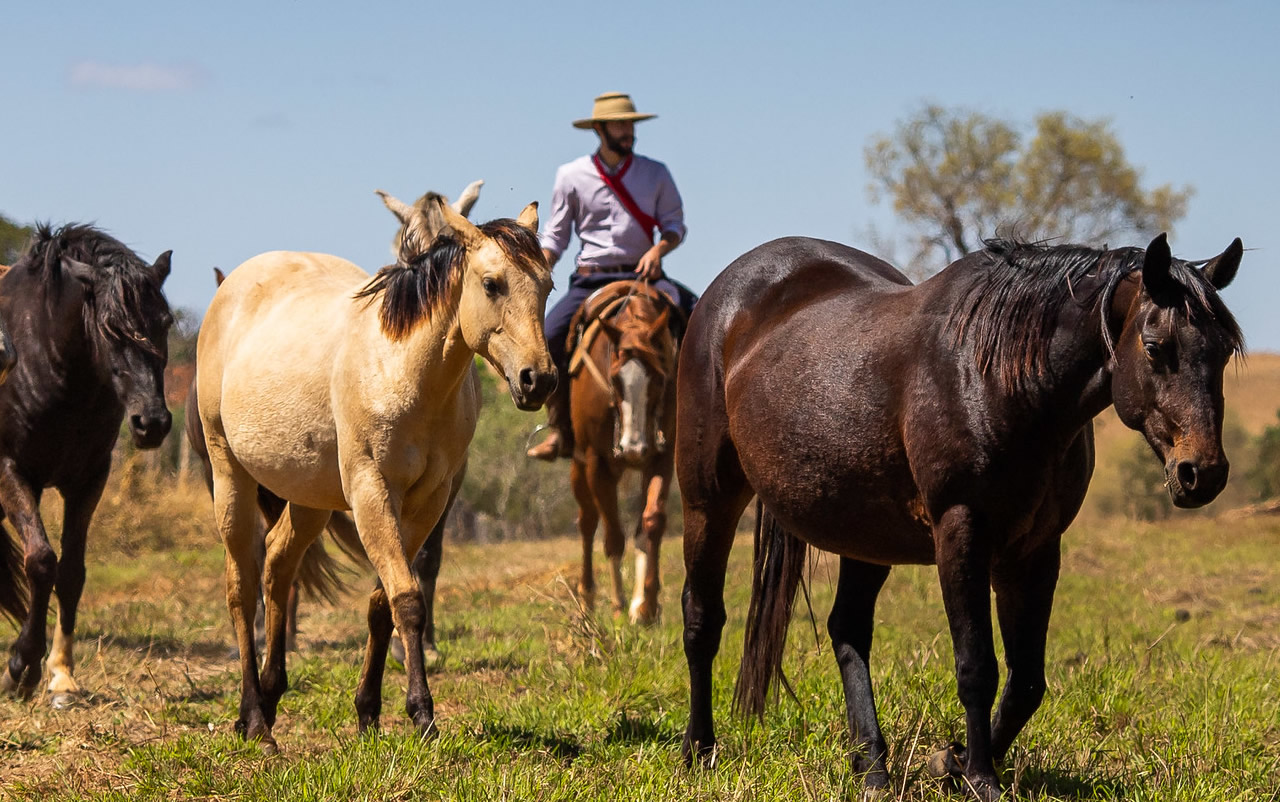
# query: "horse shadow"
x,y
564,748
158,645
629,727
1059,784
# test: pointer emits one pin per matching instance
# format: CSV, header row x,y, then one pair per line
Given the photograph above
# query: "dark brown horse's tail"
x,y
775,578
13,579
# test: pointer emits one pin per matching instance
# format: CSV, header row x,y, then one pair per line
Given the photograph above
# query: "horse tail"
x,y
13,579
775,578
322,576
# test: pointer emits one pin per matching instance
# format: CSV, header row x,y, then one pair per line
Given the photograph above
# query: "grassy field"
x,y
1164,677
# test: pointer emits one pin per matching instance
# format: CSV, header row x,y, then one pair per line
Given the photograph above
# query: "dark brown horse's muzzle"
x,y
149,430
532,387
1194,483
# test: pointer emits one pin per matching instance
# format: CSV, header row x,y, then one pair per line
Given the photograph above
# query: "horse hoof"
x,y
427,728
64,700
947,762
269,746
7,683
696,753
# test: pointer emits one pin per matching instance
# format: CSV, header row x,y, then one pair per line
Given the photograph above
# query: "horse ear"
x,y
460,226
218,277
661,322
468,198
610,330
161,266
529,217
399,208
1221,269
1155,269
79,271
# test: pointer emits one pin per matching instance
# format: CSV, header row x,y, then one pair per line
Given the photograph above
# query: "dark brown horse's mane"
x,y
416,288
126,301
1009,312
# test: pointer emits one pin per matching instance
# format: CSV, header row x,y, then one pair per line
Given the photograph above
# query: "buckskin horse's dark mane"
x,y
126,295
416,288
1010,310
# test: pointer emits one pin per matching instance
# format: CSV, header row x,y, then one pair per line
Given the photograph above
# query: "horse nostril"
x,y
1187,475
528,379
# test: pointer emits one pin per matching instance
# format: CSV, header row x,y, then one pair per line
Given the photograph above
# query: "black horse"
x,y
90,325
946,423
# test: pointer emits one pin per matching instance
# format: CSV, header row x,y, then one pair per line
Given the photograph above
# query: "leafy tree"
x,y
958,176
13,238
1264,477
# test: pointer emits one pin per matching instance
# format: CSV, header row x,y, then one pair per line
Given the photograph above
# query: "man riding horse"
x,y
615,201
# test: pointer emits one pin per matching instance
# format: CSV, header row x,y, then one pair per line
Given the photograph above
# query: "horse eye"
x,y
1152,350
490,287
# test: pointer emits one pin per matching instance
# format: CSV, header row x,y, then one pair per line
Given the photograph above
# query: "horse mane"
x,y
1009,312
418,287
126,300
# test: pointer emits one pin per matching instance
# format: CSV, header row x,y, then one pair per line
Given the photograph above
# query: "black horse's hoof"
x,y
426,725
699,753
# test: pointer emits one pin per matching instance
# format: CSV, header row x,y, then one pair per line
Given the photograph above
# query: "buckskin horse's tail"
x,y
775,578
13,578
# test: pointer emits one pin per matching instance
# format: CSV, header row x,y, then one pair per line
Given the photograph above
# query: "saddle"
x,y
606,301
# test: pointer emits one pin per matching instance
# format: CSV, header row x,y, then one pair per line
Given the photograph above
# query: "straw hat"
x,y
612,106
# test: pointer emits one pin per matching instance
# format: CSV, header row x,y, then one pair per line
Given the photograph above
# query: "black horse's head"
x,y
98,293
1168,363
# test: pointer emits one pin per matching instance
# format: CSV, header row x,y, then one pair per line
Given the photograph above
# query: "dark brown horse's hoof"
x,y
427,727
697,753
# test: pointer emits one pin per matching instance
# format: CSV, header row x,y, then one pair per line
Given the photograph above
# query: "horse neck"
x,y
435,357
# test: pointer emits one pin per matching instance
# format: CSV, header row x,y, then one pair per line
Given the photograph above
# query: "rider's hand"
x,y
650,266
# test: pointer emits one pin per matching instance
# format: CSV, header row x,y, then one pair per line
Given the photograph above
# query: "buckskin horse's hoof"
x,y
65,700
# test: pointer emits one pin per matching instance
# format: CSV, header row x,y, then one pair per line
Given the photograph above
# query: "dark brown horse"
x,y
90,324
623,409
947,423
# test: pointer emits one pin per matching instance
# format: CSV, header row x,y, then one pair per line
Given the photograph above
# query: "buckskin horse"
x,y
622,407
339,391
946,423
318,574
91,326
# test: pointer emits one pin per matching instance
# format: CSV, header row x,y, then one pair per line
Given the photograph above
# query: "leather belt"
x,y
595,270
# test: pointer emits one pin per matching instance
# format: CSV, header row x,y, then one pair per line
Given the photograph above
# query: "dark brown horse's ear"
x,y
219,277
162,266
1155,270
79,271
1221,269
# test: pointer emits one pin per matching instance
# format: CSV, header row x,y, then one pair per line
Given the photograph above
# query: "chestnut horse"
x,y
91,326
946,423
623,409
341,392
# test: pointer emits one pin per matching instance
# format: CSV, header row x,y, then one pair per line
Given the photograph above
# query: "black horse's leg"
x,y
21,504
964,570
78,506
1024,598
850,626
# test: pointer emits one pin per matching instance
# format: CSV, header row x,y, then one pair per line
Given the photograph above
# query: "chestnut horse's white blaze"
x,y
340,392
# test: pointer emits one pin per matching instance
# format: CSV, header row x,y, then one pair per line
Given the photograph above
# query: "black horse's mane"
x,y
1010,311
126,301
415,289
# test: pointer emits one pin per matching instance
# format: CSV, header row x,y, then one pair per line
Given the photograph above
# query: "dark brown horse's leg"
x,y
287,542
369,691
850,626
21,504
78,506
1024,598
964,570
588,519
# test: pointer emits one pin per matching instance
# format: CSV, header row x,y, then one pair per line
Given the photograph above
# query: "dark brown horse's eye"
x,y
1152,350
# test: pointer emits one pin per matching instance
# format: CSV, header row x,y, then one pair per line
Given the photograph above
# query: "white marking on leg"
x,y
62,664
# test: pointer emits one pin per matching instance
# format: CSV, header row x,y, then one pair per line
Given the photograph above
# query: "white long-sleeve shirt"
x,y
610,236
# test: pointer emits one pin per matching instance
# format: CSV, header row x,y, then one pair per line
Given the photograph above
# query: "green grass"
x,y
1164,683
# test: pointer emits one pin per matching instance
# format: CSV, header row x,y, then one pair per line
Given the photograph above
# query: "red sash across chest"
x,y
614,183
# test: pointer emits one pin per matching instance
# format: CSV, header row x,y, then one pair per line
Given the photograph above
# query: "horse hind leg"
x,y
850,626
287,541
369,690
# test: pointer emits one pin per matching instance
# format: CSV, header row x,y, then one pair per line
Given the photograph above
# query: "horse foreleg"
x,y
21,504
78,507
604,492
588,520
235,510
653,525
964,571
1024,598
287,542
850,626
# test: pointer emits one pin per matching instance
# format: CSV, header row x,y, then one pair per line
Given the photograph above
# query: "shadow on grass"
x,y
564,749
159,645
632,728
1064,785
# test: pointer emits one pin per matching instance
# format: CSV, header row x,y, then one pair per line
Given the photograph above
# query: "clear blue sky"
x,y
221,130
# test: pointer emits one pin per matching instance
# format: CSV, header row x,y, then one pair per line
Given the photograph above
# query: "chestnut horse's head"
x,y
1167,367
640,370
